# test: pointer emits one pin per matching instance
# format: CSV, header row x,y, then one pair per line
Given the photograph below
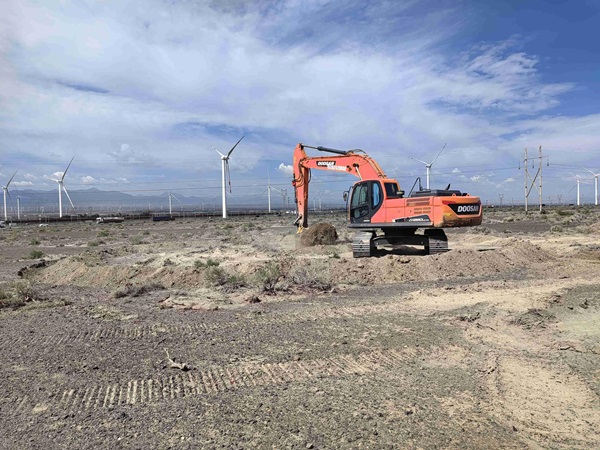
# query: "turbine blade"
x,y
11,178
68,196
228,174
67,169
426,163
173,195
222,155
438,154
232,148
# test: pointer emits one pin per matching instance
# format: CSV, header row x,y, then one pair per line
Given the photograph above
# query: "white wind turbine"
x,y
19,197
5,192
429,165
596,185
225,169
172,196
61,187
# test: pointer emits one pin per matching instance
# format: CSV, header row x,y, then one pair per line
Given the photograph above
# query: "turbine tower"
x,y
61,187
225,170
5,192
596,186
429,165
172,196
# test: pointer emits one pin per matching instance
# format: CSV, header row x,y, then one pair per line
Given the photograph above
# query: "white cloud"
x,y
456,170
476,178
287,169
509,180
88,179
21,183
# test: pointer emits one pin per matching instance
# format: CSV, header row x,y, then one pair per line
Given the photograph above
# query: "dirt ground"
x,y
205,333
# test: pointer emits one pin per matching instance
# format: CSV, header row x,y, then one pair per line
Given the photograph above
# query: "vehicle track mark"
x,y
146,331
211,381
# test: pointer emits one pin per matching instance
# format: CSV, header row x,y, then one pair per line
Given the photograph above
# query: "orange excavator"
x,y
377,207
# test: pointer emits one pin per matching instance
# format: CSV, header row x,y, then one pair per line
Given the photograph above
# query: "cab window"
x,y
376,198
392,191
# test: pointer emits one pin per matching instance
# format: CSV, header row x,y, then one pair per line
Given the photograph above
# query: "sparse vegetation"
x,y
34,241
103,233
135,290
35,254
199,264
137,240
216,276
268,276
311,276
23,294
563,213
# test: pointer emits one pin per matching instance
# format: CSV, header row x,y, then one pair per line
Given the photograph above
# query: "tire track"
x,y
147,331
211,381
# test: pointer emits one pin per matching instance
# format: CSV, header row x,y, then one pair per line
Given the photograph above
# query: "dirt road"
x,y
198,334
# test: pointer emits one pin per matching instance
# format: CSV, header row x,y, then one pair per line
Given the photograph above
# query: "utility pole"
x,y
529,178
501,197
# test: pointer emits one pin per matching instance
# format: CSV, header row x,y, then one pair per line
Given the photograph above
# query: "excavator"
x,y
378,209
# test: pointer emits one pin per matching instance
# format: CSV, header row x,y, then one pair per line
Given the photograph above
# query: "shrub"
x,y
314,276
93,244
103,233
268,276
135,290
137,240
198,264
560,212
217,277
34,241
35,254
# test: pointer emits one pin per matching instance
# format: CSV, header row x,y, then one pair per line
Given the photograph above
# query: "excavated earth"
x,y
205,333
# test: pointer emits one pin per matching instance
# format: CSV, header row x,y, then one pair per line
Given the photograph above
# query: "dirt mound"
x,y
320,234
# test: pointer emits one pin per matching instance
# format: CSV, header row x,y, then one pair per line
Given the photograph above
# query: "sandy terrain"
x,y
204,333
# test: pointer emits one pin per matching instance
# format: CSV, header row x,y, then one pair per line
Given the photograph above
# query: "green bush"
x,y
216,276
560,212
198,264
268,276
135,290
103,233
35,254
34,241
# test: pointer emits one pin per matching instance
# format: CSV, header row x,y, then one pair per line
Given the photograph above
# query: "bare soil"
x,y
204,333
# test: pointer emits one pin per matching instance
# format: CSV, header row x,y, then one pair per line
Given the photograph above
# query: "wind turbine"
x,y
578,191
171,196
19,205
429,165
596,185
5,192
61,187
225,169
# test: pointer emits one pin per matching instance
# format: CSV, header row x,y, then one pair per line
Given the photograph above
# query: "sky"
x,y
141,93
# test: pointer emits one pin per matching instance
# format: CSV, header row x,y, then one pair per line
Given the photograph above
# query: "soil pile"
x,y
319,234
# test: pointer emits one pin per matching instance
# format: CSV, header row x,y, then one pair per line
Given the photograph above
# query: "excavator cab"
x,y
365,200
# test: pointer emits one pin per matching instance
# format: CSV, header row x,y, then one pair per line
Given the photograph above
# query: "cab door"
x,y
366,200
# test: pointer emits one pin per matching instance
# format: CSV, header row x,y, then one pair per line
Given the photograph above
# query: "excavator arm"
x,y
348,161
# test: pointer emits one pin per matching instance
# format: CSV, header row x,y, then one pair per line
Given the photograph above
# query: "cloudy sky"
x,y
141,92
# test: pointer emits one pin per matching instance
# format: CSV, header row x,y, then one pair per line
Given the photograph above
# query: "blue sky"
x,y
140,92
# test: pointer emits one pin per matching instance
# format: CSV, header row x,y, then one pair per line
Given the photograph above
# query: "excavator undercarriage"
x,y
365,242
